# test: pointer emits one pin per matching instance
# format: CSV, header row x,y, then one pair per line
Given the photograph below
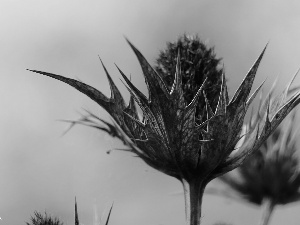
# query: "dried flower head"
x,y
169,139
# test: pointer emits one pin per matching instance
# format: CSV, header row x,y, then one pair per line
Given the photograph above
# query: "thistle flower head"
x,y
168,138
272,172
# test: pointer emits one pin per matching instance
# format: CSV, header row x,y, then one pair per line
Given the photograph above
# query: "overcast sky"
x,y
42,170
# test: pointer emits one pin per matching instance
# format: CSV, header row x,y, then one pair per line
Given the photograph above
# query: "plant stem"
x,y
193,193
267,209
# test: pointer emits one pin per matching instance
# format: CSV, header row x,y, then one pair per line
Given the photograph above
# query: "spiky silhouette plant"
x,y
40,219
271,176
169,139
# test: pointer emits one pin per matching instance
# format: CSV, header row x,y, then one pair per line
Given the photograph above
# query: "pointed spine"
x,y
177,84
88,90
107,220
280,115
209,110
193,103
221,107
252,97
153,80
116,96
145,108
244,89
76,213
136,91
286,91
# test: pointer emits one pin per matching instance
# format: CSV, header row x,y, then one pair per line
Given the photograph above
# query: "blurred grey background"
x,y
42,170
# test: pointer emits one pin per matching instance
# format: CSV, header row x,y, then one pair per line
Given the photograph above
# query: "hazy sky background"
x,y
42,170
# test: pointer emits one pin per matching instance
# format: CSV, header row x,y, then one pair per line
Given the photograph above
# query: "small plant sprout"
x,y
271,176
169,139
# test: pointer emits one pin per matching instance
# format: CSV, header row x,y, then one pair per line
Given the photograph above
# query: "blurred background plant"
x,y
40,219
271,175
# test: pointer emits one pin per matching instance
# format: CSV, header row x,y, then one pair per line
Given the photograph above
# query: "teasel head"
x,y
169,139
271,176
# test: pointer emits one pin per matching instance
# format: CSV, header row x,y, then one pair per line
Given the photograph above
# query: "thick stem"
x,y
267,209
193,193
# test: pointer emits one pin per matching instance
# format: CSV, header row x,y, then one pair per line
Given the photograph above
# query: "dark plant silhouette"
x,y
168,137
40,219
